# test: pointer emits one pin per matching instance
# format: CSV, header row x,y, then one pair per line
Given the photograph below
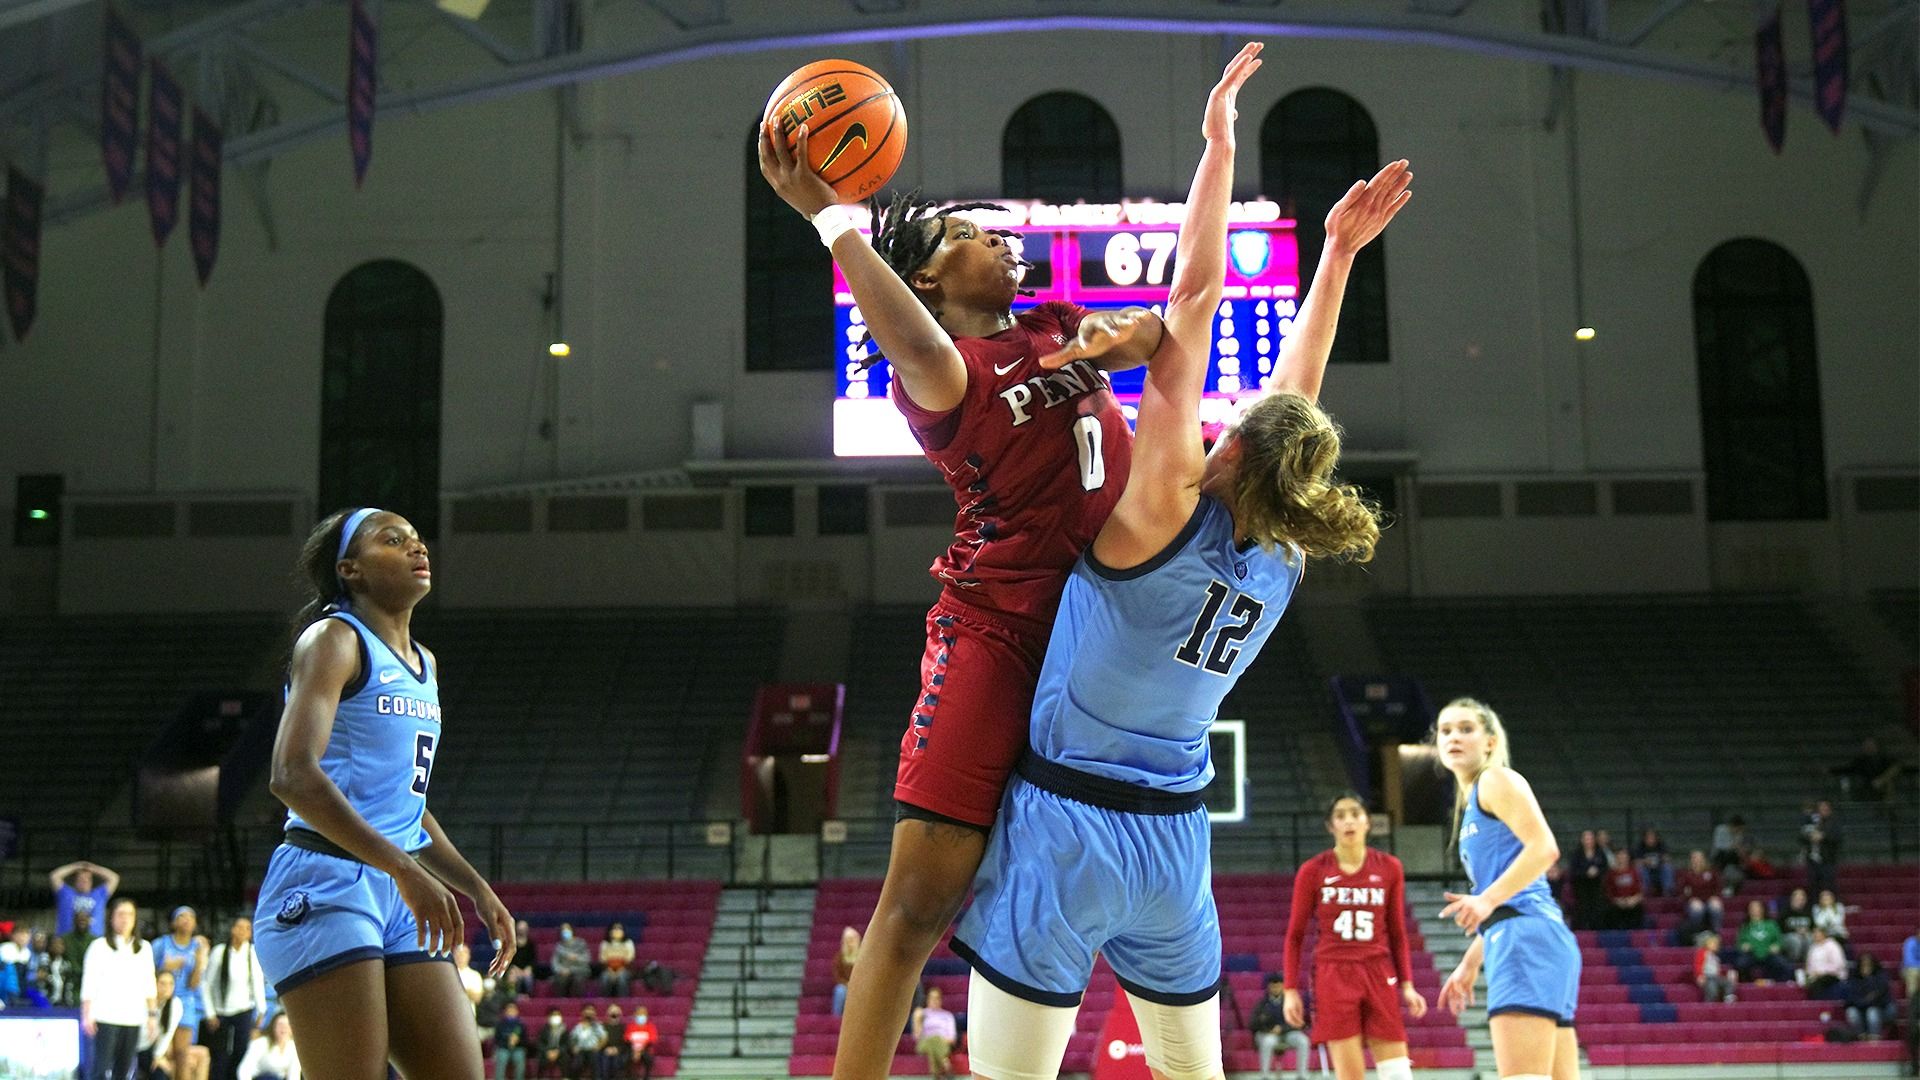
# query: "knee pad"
x,y
1394,1069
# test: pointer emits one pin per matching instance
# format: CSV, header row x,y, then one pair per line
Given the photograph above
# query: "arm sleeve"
x,y
1397,924
1297,923
206,984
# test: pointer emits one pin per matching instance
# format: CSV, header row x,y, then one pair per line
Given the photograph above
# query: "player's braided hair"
x,y
902,238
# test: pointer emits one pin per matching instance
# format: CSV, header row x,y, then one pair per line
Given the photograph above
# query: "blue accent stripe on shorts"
x,y
1162,997
1011,985
331,963
397,959
1529,1010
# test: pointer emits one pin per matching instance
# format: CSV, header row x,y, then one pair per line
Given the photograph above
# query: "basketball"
x,y
856,129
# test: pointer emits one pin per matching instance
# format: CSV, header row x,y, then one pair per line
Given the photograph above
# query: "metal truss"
x,y
272,102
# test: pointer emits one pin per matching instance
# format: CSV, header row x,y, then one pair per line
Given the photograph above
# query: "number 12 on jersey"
x,y
1226,642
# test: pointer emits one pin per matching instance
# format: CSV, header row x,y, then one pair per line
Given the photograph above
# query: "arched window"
x,y
1759,385
789,313
380,394
1061,147
1313,145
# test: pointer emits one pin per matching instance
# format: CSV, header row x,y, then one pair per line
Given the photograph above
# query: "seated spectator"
x,y
1626,894
471,982
1695,920
1587,869
1869,775
156,1039
572,964
615,1059
935,1031
525,965
550,1050
1271,1031
1820,847
1700,885
641,1037
1826,965
272,1056
843,967
1869,998
616,958
1796,926
1759,958
1730,842
18,981
1831,915
1761,868
59,976
1714,984
510,1044
493,1003
1910,973
657,977
584,1043
1650,851
80,893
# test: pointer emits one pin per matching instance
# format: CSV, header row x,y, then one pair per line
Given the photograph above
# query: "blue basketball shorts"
x,y
319,912
1533,966
1063,880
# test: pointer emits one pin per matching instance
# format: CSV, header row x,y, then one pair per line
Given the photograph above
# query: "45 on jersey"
x,y
1353,925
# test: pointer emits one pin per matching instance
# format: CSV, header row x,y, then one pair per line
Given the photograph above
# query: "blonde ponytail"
x,y
1499,757
1283,492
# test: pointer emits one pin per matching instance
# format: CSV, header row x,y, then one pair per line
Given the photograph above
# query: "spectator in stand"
x,y
1730,843
1626,894
642,1036
272,1056
525,965
616,960
77,940
1587,868
1700,887
12,991
233,999
1910,974
1869,776
572,964
1826,965
584,1043
80,893
1761,868
1714,983
1605,840
60,976
551,1050
843,966
1651,853
615,1059
1271,1031
1760,956
1831,915
1820,847
117,993
1869,998
471,984
935,1031
22,966
157,1035
510,1044
1796,926
497,995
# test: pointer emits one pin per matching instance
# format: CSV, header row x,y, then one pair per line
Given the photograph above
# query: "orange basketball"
x,y
856,129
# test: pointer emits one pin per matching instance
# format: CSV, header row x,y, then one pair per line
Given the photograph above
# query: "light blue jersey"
x,y
385,734
1140,659
1488,847
1532,960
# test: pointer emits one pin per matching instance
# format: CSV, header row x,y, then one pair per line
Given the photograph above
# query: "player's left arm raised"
x,y
1506,795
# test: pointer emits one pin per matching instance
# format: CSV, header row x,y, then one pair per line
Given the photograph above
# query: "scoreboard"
x,y
1101,255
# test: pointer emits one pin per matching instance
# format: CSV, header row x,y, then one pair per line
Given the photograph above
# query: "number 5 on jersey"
x,y
422,762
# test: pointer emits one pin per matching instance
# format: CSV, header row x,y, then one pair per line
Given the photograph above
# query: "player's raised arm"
x,y
1168,460
923,355
1354,221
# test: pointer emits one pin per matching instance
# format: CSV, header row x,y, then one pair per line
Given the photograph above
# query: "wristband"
x,y
832,223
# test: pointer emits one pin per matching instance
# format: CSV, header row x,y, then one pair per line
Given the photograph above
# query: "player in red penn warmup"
x,y
1036,460
1362,967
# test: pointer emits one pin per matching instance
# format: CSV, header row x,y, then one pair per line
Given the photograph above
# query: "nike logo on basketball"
x,y
854,131
388,676
1002,370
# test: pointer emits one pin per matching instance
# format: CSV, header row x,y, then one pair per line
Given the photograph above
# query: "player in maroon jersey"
x,y
1036,459
1357,897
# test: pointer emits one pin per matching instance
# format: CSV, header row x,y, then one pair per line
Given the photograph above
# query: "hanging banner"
x,y
163,152
1829,59
1770,71
362,51
203,212
20,250
119,101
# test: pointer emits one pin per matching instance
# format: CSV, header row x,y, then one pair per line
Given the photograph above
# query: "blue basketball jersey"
x,y
1141,658
1488,847
386,732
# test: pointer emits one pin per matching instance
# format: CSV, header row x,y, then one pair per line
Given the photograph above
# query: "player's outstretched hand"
x,y
1467,912
499,923
436,913
786,168
1456,994
1416,1002
1218,123
1294,1010
1364,211
1100,333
